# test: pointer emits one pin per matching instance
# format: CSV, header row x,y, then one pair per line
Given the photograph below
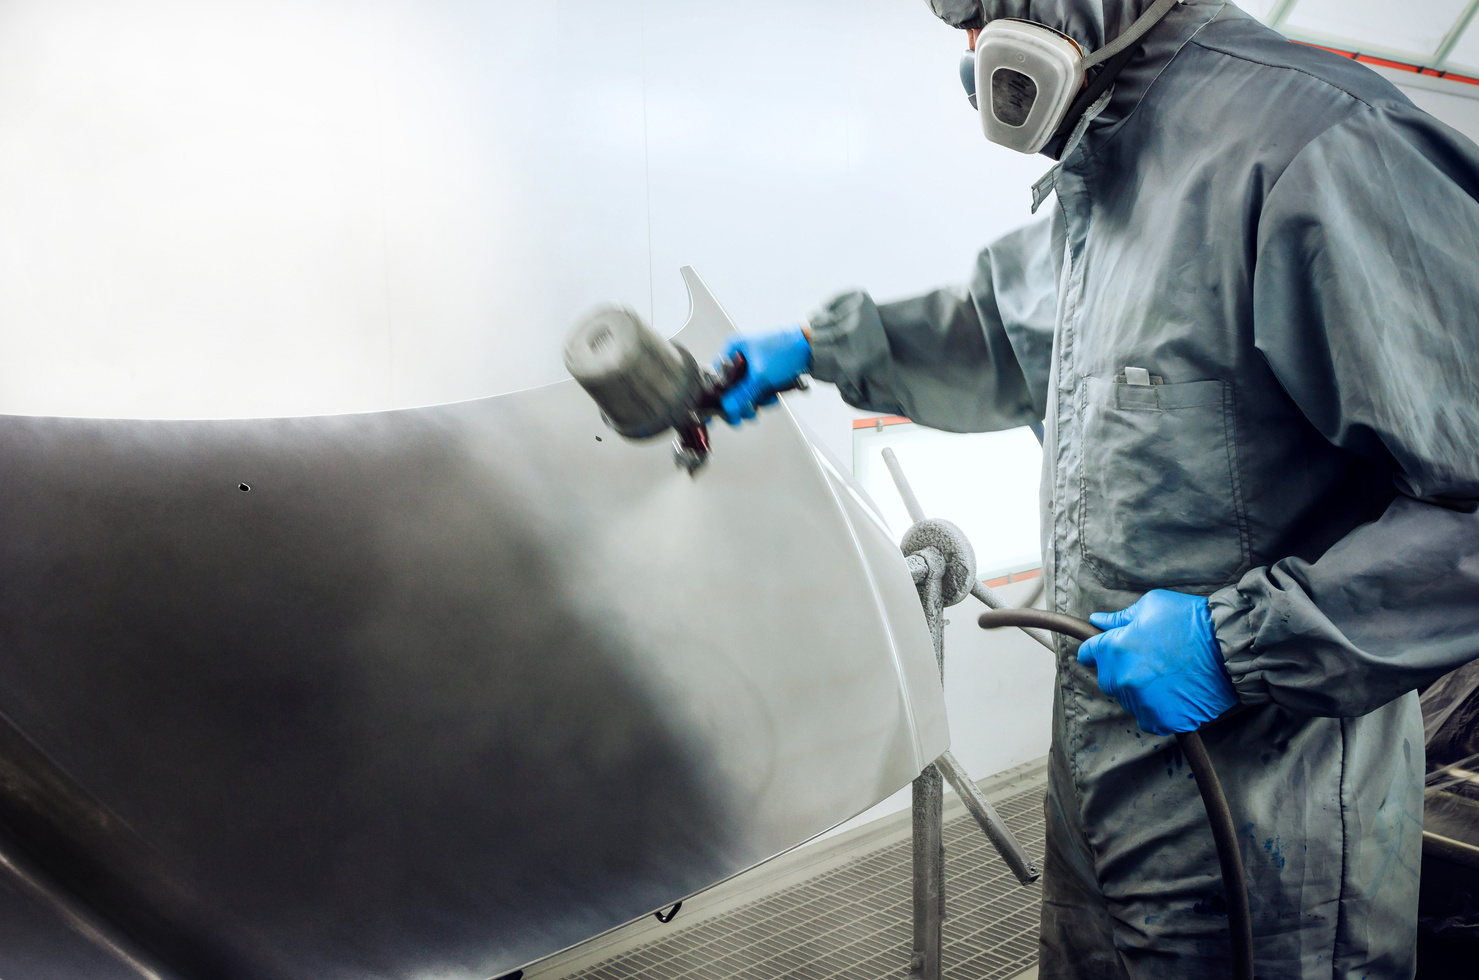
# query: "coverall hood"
x,y
1092,23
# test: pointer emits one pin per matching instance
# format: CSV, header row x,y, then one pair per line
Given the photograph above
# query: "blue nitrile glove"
x,y
1160,660
774,361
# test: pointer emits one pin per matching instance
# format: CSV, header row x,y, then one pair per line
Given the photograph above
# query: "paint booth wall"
x,y
271,207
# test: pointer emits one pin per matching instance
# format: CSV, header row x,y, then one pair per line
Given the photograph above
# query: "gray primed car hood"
x,y
446,690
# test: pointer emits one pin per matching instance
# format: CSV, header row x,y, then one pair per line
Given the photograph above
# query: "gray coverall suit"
x,y
1290,249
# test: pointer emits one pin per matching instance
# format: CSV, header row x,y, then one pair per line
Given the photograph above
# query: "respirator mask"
x,y
1030,82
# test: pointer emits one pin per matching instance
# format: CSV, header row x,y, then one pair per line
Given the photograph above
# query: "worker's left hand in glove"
x,y
773,361
1159,658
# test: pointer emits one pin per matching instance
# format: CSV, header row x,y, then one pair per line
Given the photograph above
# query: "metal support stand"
x,y
929,874
929,798
928,566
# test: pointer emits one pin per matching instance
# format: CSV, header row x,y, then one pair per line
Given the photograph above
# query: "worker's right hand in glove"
x,y
773,361
1159,658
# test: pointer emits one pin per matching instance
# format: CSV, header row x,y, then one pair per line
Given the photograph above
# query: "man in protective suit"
x,y
1250,326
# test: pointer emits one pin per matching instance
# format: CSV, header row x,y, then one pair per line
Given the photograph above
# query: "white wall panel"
x,y
1412,27
292,206
1258,8
232,208
1465,53
514,185
986,482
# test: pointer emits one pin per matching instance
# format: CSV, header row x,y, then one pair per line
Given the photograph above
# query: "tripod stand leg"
x,y
929,875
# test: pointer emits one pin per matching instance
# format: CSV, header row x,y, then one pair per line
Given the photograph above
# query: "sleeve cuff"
x,y
1235,624
846,337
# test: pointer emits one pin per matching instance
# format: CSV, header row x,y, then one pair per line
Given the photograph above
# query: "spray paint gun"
x,y
645,384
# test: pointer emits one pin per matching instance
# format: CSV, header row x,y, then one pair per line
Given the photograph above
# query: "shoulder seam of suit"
x,y
1204,45
1295,157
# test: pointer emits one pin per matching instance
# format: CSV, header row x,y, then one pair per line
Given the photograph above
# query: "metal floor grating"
x,y
852,921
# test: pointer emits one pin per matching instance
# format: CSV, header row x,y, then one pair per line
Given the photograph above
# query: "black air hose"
x,y
1234,878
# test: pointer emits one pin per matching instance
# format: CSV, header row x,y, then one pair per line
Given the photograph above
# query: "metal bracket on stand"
x,y
943,566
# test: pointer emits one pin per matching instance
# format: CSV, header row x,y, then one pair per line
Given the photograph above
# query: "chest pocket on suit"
x,y
1159,498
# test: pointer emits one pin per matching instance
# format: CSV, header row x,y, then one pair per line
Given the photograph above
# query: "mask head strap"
x,y
1136,31
1113,56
